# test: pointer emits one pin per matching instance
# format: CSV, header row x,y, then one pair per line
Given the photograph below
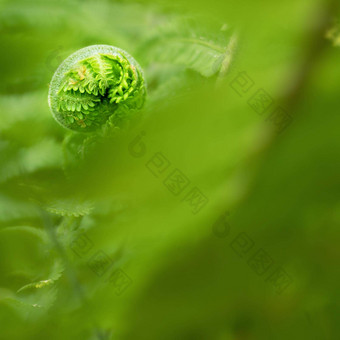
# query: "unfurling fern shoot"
x,y
96,85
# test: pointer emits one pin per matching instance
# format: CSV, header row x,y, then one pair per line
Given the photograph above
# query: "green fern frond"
x,y
71,100
92,84
181,42
36,285
70,207
56,273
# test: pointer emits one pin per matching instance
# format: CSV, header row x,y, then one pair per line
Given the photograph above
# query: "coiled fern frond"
x,y
96,85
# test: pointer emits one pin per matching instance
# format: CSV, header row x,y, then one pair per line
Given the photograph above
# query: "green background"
x,y
65,198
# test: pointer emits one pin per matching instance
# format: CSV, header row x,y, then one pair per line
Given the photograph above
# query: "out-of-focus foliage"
x,y
97,238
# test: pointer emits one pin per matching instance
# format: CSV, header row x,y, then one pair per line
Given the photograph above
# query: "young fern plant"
x,y
94,86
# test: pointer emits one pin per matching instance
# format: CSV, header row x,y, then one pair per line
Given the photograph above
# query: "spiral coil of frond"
x,y
96,84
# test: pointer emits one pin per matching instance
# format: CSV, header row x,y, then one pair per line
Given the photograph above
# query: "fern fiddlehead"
x,y
96,85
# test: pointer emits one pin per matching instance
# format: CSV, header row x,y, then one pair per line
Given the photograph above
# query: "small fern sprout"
x,y
96,85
